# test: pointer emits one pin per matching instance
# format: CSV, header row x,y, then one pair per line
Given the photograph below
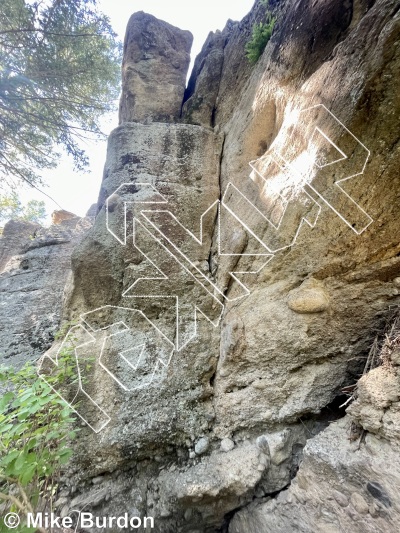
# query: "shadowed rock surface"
x,y
35,265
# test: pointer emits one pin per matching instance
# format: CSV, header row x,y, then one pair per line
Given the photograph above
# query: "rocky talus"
x,y
244,256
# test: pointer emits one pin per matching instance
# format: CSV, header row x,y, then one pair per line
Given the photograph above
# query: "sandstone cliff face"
x,y
34,266
243,298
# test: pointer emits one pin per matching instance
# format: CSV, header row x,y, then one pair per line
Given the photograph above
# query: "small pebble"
x,y
340,498
202,446
227,445
188,514
359,504
262,443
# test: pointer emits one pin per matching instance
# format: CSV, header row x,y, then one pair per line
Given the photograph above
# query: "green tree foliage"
x,y
34,211
59,72
260,36
35,428
12,209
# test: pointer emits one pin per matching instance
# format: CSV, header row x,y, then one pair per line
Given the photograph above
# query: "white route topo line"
x,y
148,195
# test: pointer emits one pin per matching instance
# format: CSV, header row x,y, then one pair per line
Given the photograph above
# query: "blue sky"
x,y
75,191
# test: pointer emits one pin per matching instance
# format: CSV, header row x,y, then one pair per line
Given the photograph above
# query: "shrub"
x,y
260,36
35,427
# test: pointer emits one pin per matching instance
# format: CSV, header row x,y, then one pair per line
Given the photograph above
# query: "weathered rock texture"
x,y
35,264
269,375
349,477
202,91
156,59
